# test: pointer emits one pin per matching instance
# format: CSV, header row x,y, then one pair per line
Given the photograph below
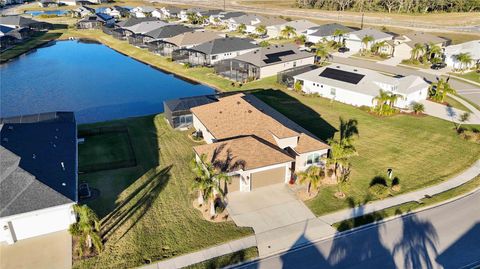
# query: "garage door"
x,y
234,185
268,177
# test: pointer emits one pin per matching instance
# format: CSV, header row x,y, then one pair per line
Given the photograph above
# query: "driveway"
x,y
51,251
279,219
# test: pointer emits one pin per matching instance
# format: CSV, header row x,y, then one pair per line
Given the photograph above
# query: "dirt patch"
x,y
204,209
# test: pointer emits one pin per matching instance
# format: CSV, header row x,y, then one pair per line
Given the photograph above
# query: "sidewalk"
x,y
450,113
458,180
204,254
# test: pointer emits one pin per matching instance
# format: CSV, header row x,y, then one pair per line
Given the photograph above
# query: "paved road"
x,y
467,90
447,236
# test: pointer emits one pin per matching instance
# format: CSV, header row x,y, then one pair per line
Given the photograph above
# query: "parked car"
x,y
438,66
343,49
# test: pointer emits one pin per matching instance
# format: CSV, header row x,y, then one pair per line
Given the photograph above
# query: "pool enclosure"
x,y
285,77
192,57
236,70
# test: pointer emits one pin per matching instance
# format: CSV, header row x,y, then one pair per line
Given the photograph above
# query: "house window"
x,y
313,158
214,57
333,91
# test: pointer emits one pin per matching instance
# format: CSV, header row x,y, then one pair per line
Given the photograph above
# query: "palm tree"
x,y
434,51
464,117
348,129
322,52
417,51
366,40
381,99
312,176
193,18
87,229
385,102
465,59
241,28
288,31
261,29
207,182
439,90
339,33
418,107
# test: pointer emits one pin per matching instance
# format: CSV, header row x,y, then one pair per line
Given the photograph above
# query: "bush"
x,y
471,135
379,190
417,108
396,184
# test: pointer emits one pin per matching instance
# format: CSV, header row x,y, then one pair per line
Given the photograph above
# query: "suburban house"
x,y
170,12
10,36
83,11
300,26
178,111
263,62
133,21
183,15
358,86
142,12
254,144
264,21
16,21
327,32
210,52
353,40
117,11
48,3
157,13
139,31
223,17
154,38
96,21
402,46
166,46
38,179
470,47
247,20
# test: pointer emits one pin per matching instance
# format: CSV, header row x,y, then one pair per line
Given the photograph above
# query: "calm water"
x,y
47,12
94,81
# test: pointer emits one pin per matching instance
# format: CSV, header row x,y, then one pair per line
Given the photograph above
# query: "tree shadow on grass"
x,y
136,205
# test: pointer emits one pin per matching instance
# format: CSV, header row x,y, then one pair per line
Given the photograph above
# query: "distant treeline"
x,y
399,6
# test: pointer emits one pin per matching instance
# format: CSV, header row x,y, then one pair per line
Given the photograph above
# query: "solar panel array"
x,y
345,76
275,57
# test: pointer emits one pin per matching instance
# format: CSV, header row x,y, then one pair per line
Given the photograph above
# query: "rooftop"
x,y
423,38
370,32
187,103
274,54
132,21
146,26
223,45
167,31
193,38
329,29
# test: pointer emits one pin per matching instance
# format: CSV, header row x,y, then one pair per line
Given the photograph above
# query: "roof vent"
x,y
63,166
249,111
64,184
10,127
355,70
34,156
338,66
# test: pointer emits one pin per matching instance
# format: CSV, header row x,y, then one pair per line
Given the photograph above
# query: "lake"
x,y
57,12
94,81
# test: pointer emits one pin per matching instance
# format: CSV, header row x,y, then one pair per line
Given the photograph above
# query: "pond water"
x,y
91,79
46,12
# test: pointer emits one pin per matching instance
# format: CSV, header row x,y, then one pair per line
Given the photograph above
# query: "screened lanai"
x,y
192,57
236,70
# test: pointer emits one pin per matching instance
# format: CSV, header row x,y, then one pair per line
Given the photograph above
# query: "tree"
x,y
418,107
385,102
464,117
465,59
322,52
298,86
377,46
339,33
312,176
439,90
261,29
301,39
207,182
366,40
348,129
417,51
193,18
87,229
434,51
287,32
241,28
264,43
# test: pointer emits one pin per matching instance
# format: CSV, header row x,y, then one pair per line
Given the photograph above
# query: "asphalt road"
x,y
447,236
467,90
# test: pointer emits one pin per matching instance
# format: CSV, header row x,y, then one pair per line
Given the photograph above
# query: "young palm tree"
x,y
418,108
241,28
381,100
366,40
261,29
417,51
377,46
312,176
192,18
348,129
322,52
287,32
385,102
339,33
338,156
87,229
464,117
434,51
439,90
465,59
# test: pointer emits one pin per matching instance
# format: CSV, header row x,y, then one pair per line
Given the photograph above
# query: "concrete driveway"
x,y
51,251
279,219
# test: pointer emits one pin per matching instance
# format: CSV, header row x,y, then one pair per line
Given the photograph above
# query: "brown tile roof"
x,y
193,38
307,143
423,38
245,153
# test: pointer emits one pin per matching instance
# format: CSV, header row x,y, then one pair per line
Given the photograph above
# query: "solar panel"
x,y
275,57
341,75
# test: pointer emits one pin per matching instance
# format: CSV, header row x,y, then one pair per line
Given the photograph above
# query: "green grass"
x,y
456,104
146,210
107,148
407,207
472,76
229,259
421,150
37,40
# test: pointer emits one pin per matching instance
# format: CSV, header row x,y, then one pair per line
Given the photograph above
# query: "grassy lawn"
x,y
407,207
368,56
454,103
37,40
473,76
229,259
146,210
422,151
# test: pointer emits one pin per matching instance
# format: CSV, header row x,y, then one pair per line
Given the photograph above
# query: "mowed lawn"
x,y
146,210
421,150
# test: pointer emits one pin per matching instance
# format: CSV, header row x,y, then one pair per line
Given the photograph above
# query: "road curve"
x,y
447,236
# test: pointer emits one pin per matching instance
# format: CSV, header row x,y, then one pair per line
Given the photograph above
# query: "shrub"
x,y
379,190
396,184
417,108
264,43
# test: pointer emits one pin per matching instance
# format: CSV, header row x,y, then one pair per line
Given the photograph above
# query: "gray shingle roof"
x,y
168,31
223,45
133,21
371,32
32,151
16,20
187,103
273,55
235,14
329,29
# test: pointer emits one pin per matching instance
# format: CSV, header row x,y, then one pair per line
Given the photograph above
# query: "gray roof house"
x,y
166,46
178,113
263,62
153,37
318,33
133,21
354,39
83,11
16,21
96,21
38,175
210,52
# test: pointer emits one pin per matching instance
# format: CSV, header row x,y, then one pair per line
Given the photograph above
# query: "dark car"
x,y
343,49
438,66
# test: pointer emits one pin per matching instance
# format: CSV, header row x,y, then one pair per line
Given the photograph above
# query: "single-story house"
x,y
359,86
48,3
83,11
183,15
300,26
140,30
38,175
154,39
16,21
117,11
170,12
264,21
133,21
223,17
470,47
263,62
10,36
178,111
96,21
142,12
255,145
211,52
157,13
327,32
166,46
402,46
247,19
353,40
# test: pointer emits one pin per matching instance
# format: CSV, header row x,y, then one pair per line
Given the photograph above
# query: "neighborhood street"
x,y
442,237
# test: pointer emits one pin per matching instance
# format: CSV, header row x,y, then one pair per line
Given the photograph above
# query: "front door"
x,y
245,183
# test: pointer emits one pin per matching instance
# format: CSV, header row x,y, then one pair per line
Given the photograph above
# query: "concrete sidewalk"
x,y
458,180
448,113
204,254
